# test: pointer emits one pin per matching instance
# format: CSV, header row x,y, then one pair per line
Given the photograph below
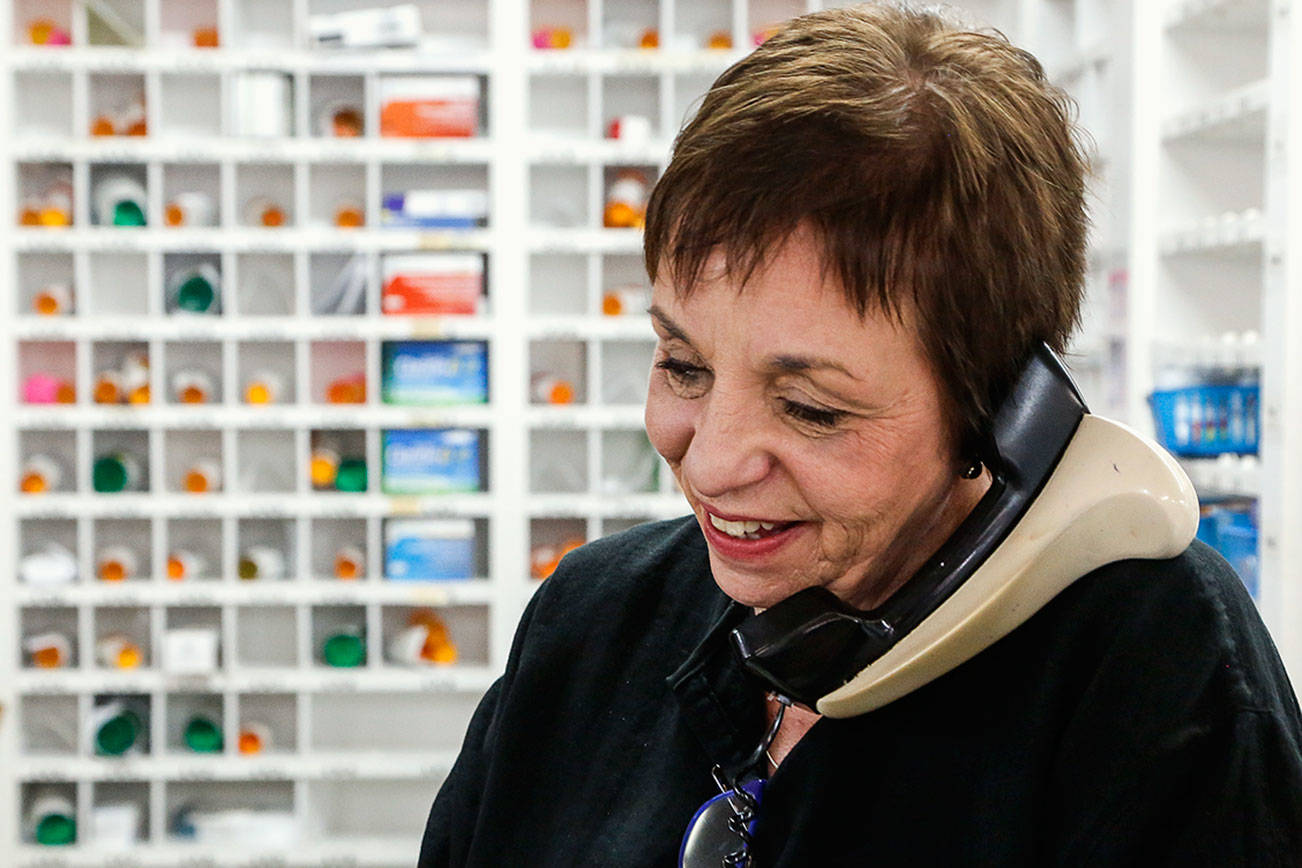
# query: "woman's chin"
x,y
749,589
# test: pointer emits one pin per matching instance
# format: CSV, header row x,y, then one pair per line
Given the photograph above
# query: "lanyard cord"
x,y
743,805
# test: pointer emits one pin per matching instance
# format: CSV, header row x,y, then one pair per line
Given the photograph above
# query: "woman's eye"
x,y
687,378
813,415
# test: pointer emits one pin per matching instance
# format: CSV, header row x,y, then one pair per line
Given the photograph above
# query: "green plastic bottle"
x,y
128,213
115,472
203,735
352,475
53,820
117,728
195,290
344,649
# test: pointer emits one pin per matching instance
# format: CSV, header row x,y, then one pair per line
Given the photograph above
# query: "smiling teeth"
x,y
741,529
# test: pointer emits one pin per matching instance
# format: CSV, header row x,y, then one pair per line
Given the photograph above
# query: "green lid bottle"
x,y
345,648
116,728
203,735
128,213
115,472
53,820
195,290
352,475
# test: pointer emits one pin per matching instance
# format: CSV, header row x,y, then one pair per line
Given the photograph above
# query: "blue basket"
x,y
1208,420
1231,529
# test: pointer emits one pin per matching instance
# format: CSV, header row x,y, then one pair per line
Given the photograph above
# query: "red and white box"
x,y
432,284
429,107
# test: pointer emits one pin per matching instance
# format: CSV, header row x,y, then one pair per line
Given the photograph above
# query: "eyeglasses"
x,y
721,830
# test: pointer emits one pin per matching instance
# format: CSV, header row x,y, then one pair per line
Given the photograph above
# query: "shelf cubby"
x,y
39,273
49,726
267,548
114,629
188,25
271,719
50,14
119,284
558,461
266,637
192,372
265,284
123,550
194,550
194,462
61,652
47,372
43,105
266,373
190,105
266,461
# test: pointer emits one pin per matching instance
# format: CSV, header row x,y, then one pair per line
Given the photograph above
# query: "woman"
x,y
863,233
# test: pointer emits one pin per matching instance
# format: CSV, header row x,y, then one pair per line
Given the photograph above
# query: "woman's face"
x,y
809,442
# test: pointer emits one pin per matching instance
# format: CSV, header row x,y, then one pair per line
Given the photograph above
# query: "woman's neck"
x,y
795,723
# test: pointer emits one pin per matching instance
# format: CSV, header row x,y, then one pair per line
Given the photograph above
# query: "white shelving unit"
x,y
359,753
1216,204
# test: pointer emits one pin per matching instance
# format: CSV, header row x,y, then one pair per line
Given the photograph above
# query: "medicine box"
x,y
430,461
420,106
435,209
396,26
432,284
435,372
427,549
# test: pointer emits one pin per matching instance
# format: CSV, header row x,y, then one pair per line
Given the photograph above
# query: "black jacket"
x,y
1141,718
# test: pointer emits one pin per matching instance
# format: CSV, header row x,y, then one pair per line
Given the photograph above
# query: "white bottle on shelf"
x,y
118,651
116,563
50,566
41,474
49,650
262,562
185,564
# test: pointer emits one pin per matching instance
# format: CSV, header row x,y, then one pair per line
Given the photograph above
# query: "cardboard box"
x,y
434,372
429,107
428,550
431,461
432,284
435,209
392,27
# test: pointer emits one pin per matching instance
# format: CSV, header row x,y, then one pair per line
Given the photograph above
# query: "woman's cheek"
x,y
669,421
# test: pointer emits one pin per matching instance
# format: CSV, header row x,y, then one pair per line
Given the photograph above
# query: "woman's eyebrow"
x,y
800,364
668,325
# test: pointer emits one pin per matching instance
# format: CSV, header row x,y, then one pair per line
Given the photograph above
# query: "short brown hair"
x,y
936,164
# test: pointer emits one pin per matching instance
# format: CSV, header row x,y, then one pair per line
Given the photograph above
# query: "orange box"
x,y
428,107
432,284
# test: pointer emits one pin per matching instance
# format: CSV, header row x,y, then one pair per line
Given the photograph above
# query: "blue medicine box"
x,y
418,550
430,461
435,372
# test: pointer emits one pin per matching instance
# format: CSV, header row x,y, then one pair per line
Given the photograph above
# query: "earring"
x,y
972,471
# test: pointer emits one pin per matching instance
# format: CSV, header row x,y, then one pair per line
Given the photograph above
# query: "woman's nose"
x,y
728,450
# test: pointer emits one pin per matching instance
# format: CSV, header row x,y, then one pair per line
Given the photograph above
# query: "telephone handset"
x,y
1059,475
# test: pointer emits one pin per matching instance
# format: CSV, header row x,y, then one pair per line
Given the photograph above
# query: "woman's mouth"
x,y
748,528
747,539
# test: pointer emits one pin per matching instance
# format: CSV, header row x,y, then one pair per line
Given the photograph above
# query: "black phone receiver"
x,y
812,643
